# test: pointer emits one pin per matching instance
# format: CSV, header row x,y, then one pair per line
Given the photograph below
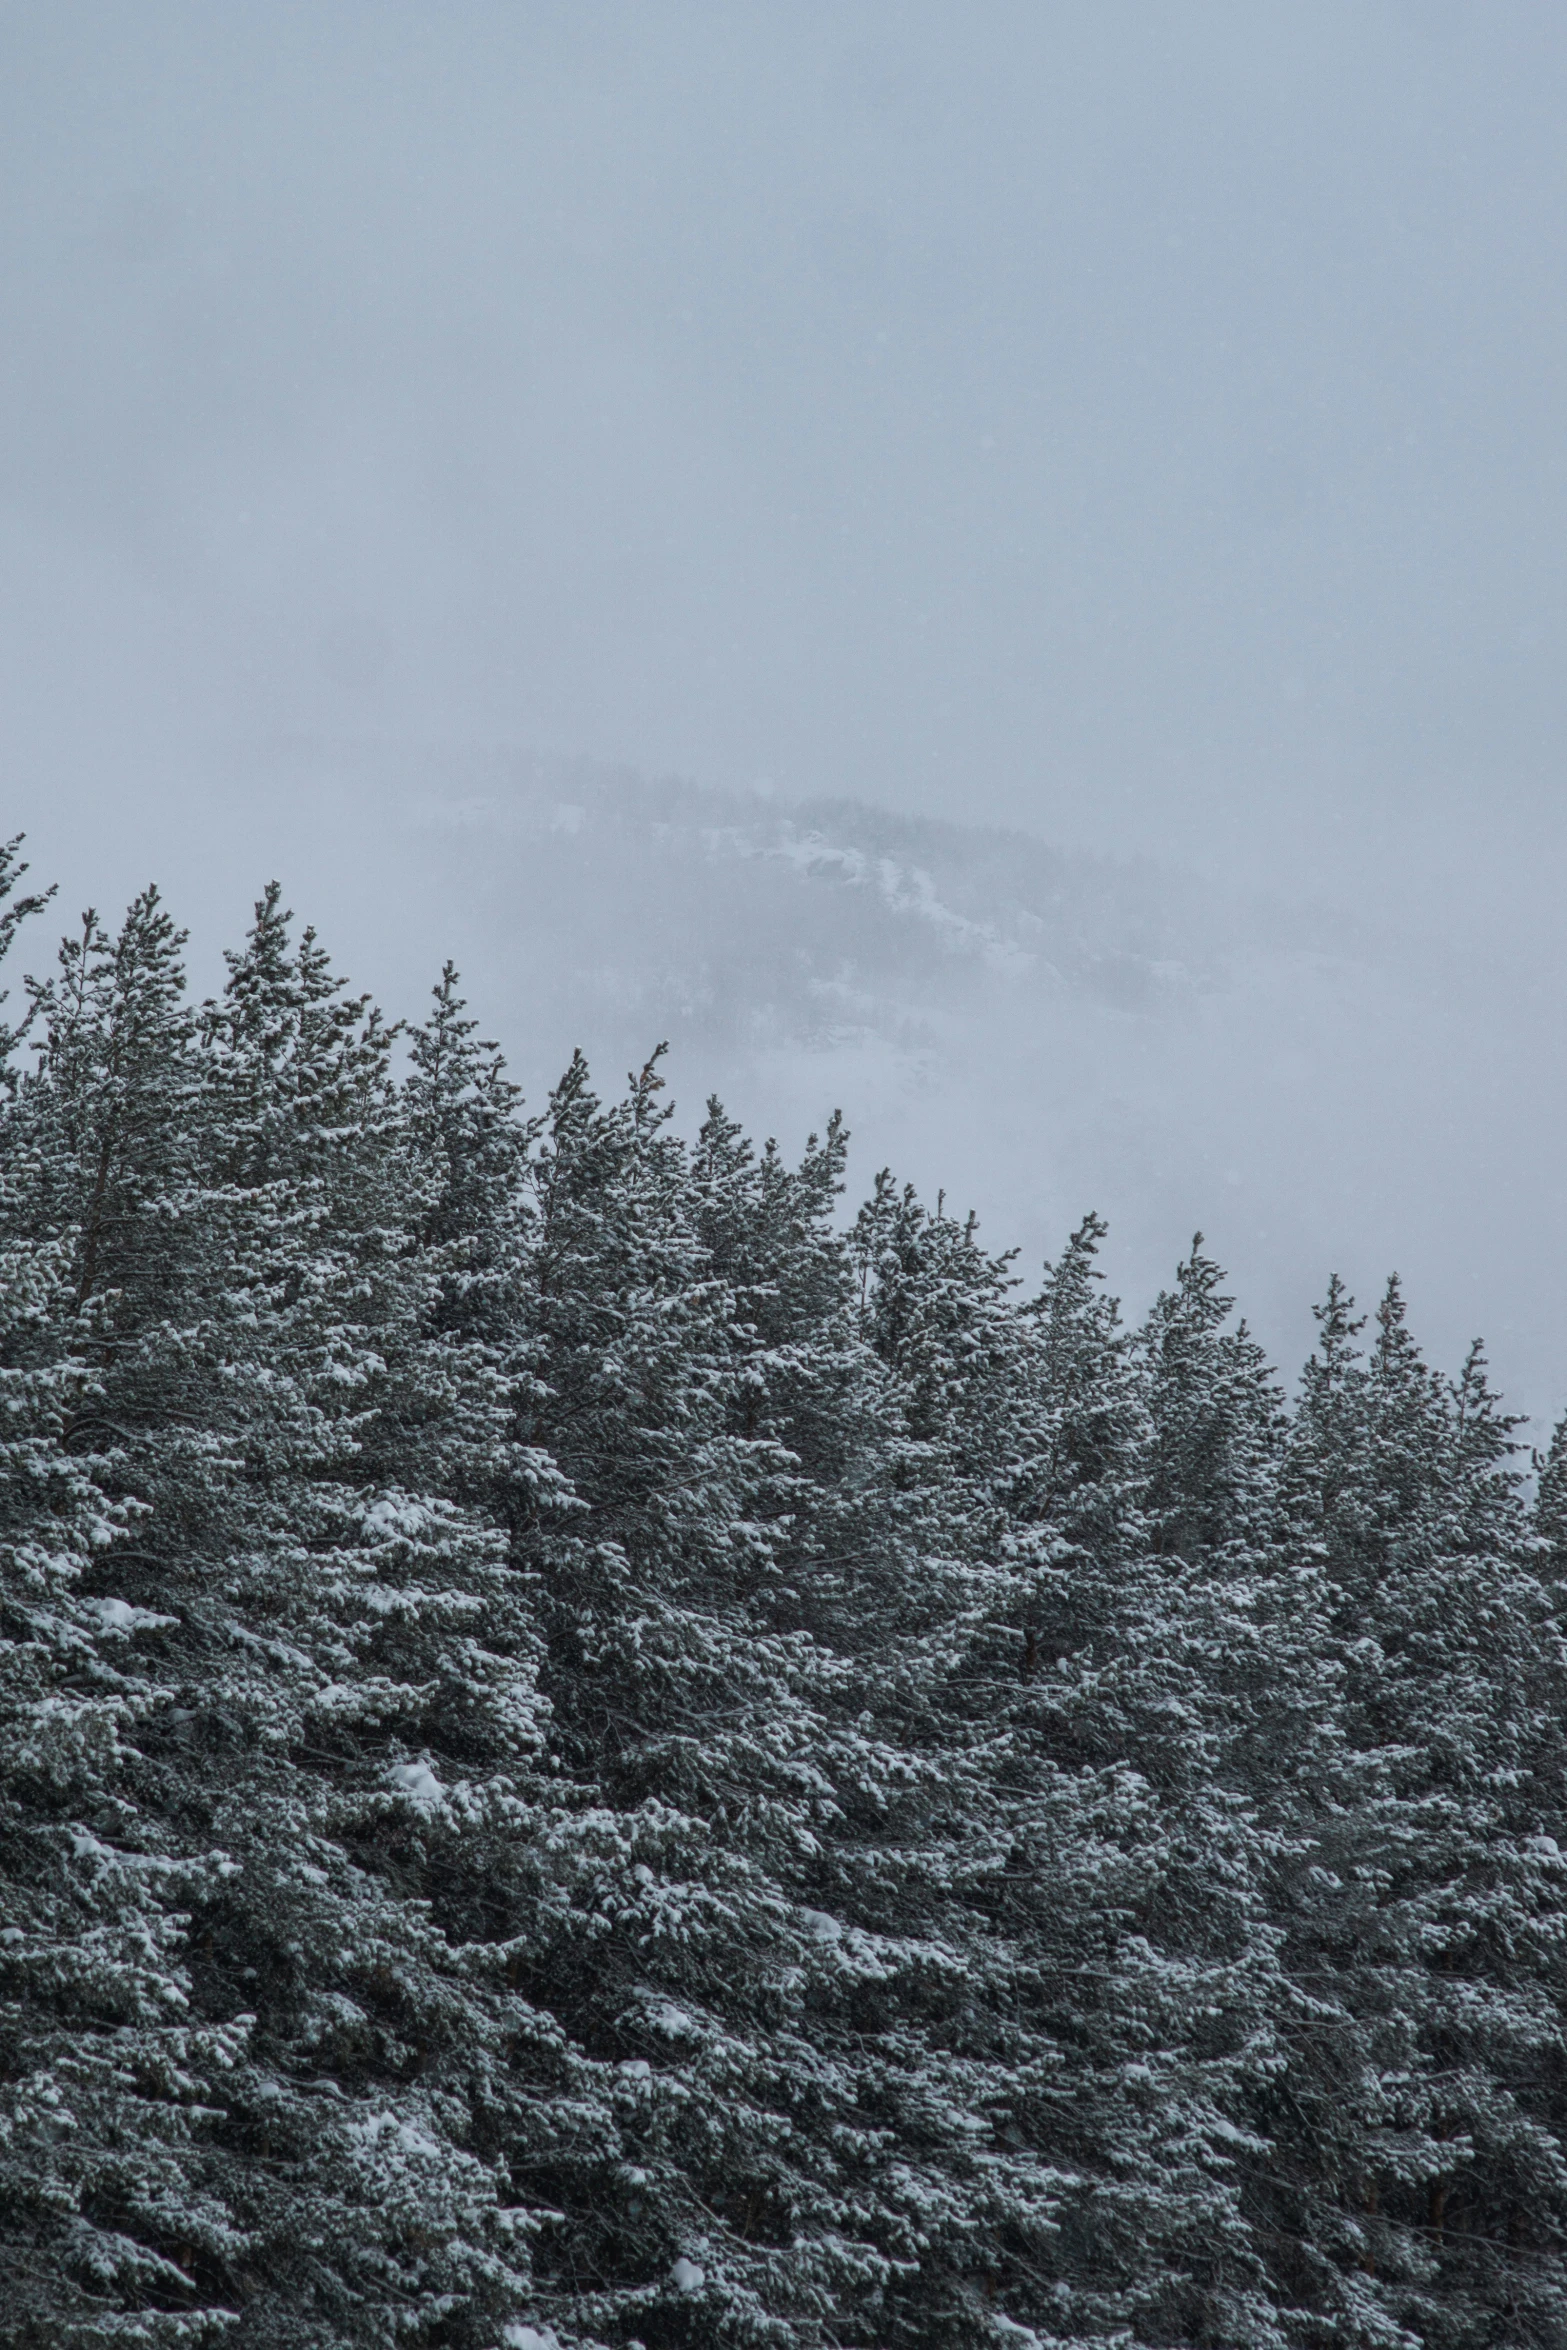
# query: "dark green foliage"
x,y
590,1754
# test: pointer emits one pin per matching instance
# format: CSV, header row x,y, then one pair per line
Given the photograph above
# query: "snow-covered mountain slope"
x,y
734,924
1037,1032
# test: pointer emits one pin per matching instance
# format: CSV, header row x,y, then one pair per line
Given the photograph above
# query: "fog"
x,y
1133,429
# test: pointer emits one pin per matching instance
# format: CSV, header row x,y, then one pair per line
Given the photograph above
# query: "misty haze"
x,y
588,1681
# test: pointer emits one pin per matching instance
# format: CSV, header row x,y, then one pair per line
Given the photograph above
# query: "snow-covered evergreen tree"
x,y
748,2200
1427,2100
338,1718
105,2055
104,2205
590,1755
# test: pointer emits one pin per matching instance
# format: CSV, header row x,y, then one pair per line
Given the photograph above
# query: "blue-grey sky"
x,y
1138,424
1143,422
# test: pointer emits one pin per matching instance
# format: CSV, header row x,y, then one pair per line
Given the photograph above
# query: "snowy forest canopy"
x,y
594,1754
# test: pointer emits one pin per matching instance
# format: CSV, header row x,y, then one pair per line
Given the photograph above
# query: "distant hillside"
x,y
1036,1031
743,922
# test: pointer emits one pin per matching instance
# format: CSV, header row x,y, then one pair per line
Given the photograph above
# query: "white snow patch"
x,y
118,1615
419,1783
531,2338
673,2021
380,2131
825,1928
395,1514
686,2276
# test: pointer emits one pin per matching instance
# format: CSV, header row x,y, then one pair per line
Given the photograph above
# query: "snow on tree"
x,y
338,1720
596,1754
1427,2106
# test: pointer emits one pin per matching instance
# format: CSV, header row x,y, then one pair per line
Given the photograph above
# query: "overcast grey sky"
x,y
1143,423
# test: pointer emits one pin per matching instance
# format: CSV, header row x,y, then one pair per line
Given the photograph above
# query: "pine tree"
x,y
1427,1931
1117,1968
1550,1505
105,2054
14,911
592,1756
696,1725
110,1110
102,2194
338,1724
1218,1424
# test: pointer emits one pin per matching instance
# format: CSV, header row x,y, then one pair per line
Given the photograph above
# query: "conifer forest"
x,y
601,1749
